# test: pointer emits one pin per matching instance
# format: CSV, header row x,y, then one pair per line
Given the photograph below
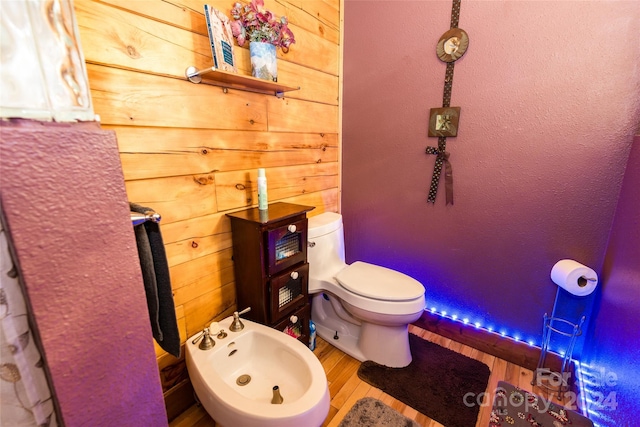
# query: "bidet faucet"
x,y
277,397
236,324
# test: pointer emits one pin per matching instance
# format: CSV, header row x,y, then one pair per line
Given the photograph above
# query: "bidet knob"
x,y
292,228
236,324
294,275
207,342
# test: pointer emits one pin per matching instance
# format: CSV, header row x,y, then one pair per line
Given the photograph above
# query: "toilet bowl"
x,y
363,309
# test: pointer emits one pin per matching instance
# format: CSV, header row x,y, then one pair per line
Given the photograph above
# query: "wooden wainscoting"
x,y
191,151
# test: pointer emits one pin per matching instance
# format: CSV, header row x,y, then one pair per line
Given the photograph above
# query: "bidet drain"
x,y
243,380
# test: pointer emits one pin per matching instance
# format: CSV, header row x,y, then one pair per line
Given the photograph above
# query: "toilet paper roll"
x,y
574,277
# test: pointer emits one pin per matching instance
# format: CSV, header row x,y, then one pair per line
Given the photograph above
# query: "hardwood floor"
x,y
346,388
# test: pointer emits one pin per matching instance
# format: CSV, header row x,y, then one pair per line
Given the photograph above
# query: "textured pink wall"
x,y
549,98
64,200
614,342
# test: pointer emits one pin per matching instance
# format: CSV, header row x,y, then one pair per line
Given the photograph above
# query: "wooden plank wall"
x,y
191,151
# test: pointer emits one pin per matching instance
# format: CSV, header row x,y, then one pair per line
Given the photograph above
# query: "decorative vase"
x,y
263,61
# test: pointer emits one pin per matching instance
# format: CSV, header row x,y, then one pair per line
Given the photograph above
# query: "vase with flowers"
x,y
265,33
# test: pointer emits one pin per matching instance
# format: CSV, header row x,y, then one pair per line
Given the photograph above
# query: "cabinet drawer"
x,y
298,326
289,290
286,246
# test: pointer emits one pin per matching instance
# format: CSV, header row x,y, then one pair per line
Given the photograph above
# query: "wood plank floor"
x,y
346,388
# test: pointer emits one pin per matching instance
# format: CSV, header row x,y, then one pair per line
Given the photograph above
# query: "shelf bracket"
x,y
194,75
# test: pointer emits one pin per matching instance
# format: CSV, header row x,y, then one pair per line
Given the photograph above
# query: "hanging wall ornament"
x,y
453,44
443,122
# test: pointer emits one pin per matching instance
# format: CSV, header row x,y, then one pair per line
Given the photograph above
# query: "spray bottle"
x,y
312,335
262,190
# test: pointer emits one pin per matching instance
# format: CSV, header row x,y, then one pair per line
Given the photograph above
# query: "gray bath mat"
x,y
370,412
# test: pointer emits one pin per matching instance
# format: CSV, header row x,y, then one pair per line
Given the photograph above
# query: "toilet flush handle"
x,y
311,244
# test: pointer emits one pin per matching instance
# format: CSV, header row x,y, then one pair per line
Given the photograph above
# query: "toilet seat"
x,y
380,283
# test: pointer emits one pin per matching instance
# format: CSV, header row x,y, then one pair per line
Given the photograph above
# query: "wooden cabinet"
x,y
270,265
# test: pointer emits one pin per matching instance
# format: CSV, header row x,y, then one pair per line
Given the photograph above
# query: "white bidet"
x,y
236,379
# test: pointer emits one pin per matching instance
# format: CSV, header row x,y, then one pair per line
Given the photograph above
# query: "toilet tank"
x,y
325,251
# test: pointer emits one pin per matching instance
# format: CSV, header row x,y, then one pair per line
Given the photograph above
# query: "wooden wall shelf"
x,y
229,80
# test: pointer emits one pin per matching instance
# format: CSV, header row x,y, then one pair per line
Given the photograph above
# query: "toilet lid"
x,y
374,281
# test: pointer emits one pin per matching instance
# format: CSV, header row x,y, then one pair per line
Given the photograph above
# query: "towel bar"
x,y
139,218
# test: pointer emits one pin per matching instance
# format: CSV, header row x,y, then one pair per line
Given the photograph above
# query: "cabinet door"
x,y
297,324
289,291
287,245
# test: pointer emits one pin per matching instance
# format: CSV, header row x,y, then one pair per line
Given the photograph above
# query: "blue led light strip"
x,y
503,332
587,406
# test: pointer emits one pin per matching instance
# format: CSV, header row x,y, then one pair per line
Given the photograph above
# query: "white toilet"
x,y
362,309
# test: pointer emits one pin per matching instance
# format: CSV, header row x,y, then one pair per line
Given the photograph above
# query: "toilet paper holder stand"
x,y
557,382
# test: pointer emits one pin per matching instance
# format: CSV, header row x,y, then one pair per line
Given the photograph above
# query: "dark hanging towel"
x,y
157,283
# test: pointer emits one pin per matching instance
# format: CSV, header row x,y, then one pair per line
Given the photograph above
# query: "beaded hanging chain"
x,y
442,156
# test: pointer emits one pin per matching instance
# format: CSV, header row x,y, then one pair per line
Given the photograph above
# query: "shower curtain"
x,y
25,397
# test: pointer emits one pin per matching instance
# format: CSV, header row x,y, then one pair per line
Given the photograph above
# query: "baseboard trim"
x,y
178,399
517,352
